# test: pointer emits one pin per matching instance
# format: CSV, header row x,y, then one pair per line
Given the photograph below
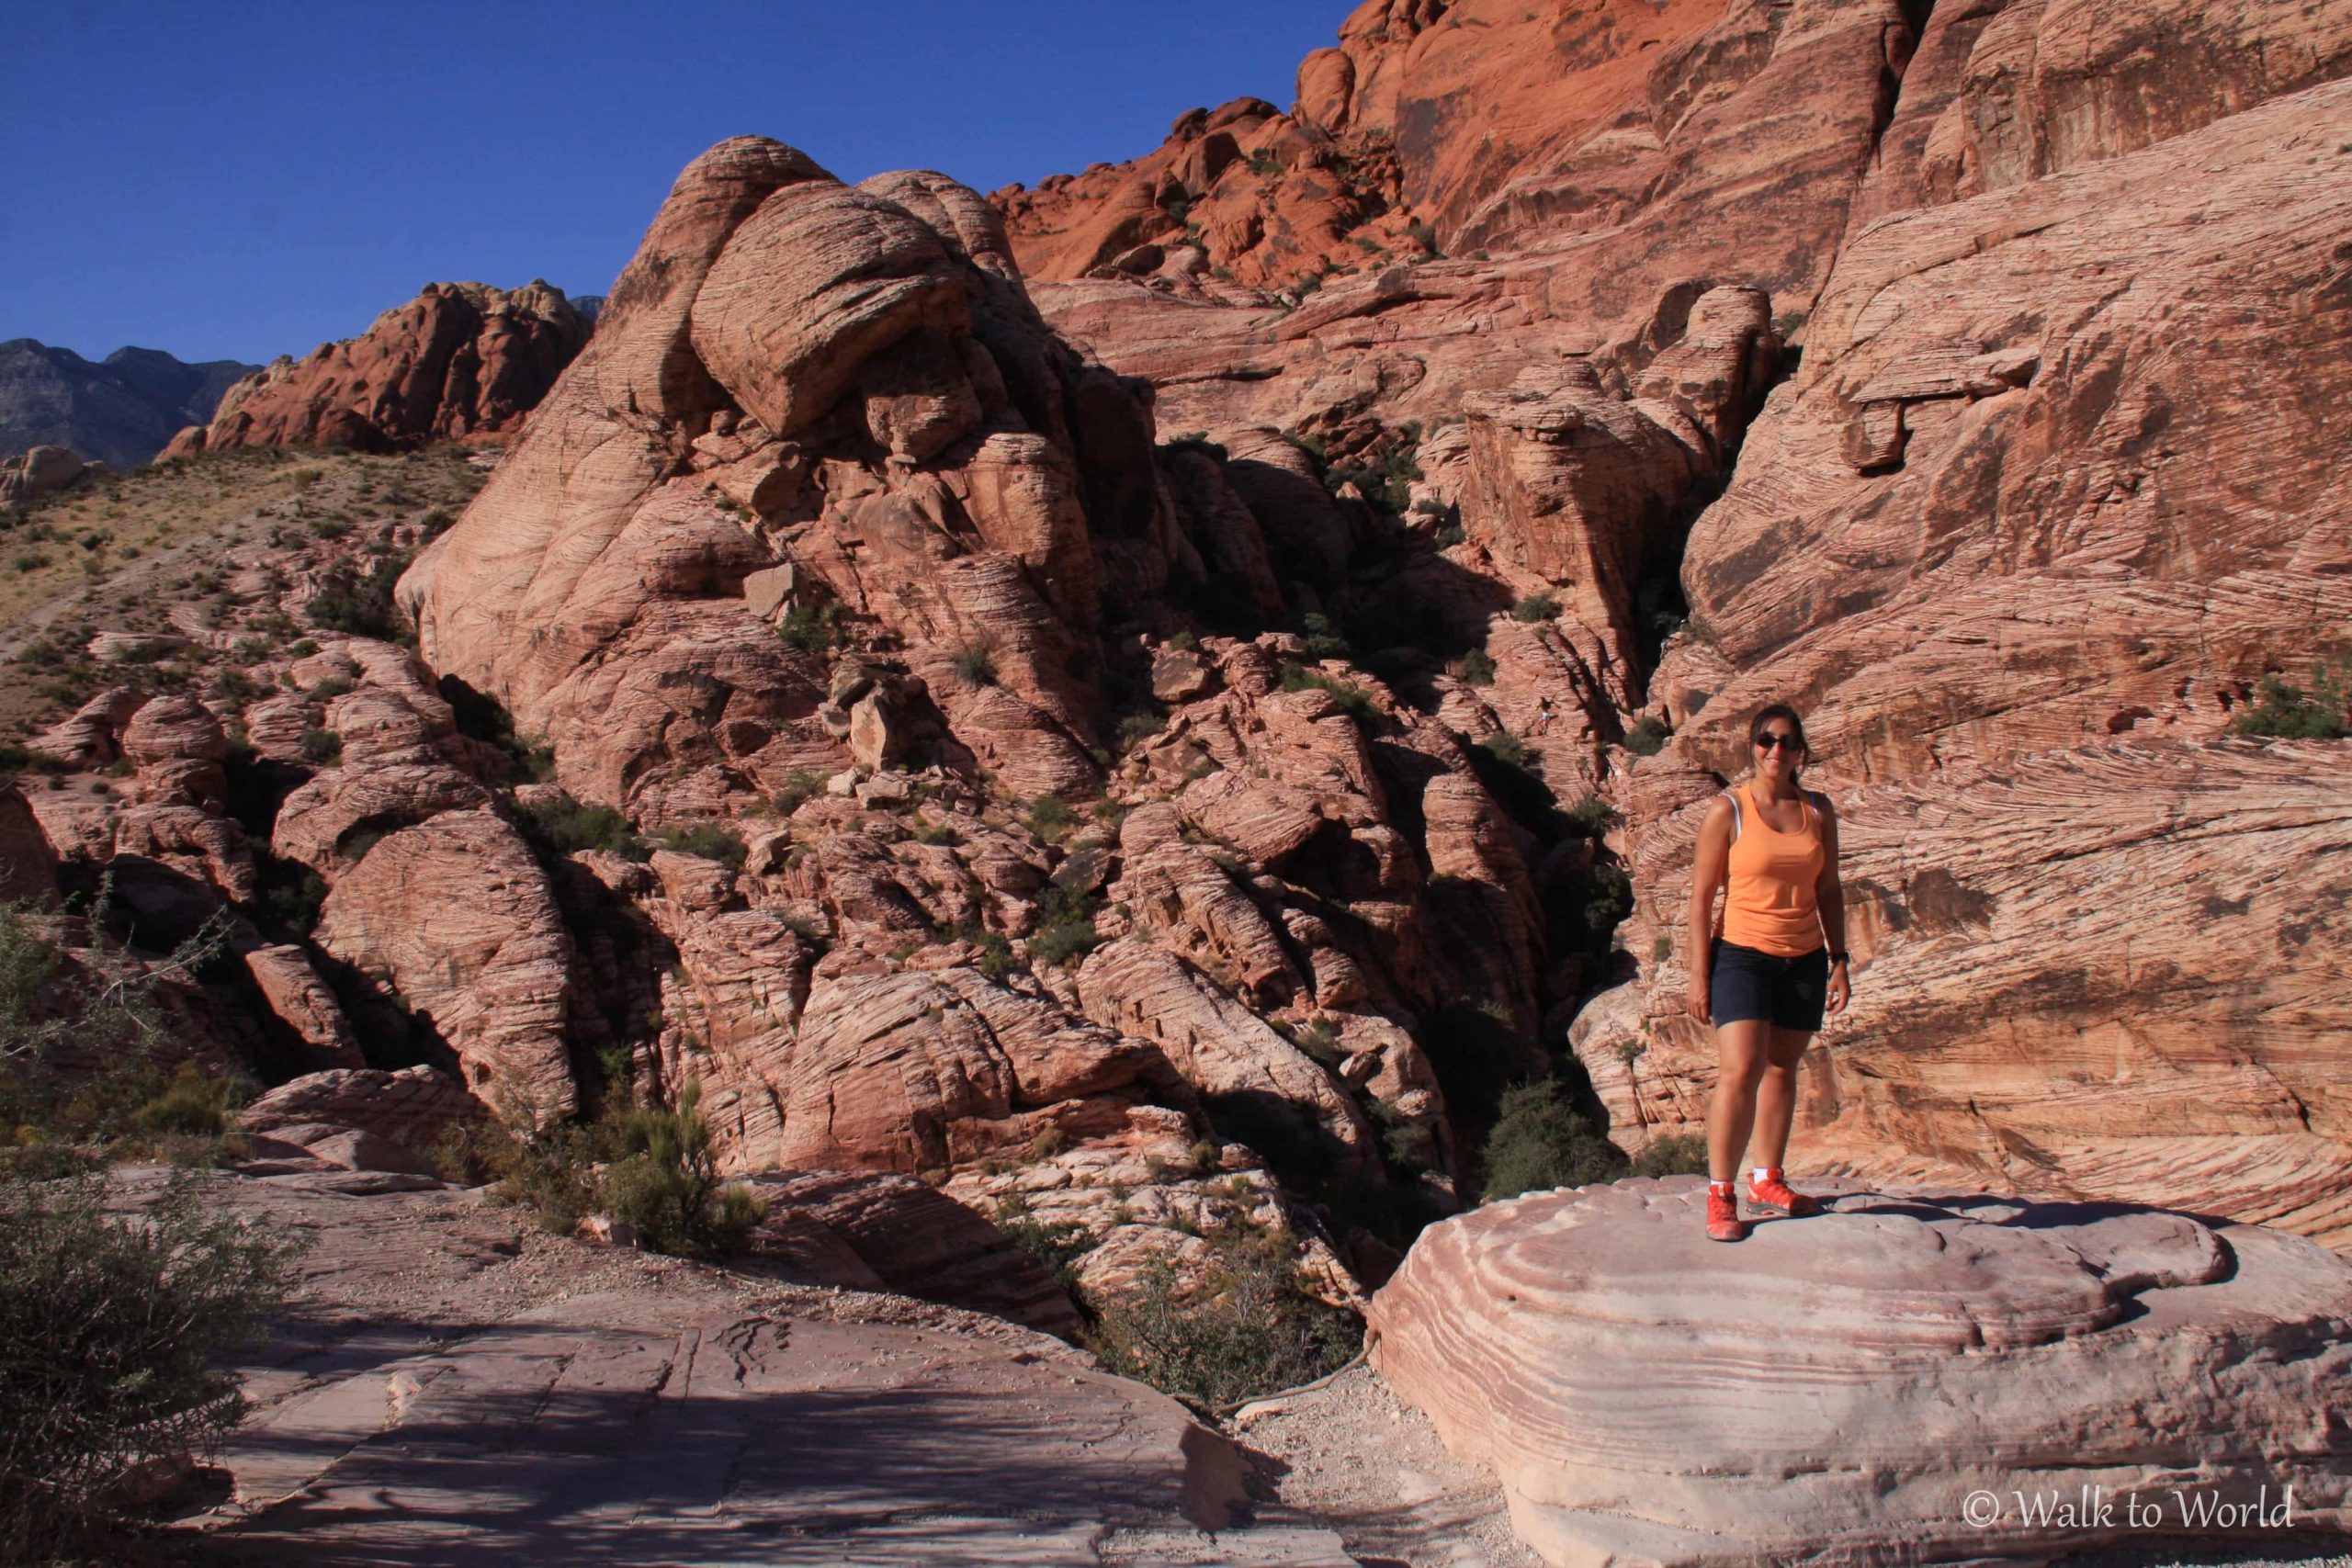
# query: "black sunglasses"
x,y
1773,740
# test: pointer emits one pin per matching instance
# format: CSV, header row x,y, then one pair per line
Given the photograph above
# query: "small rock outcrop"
x,y
461,360
39,472
1838,1387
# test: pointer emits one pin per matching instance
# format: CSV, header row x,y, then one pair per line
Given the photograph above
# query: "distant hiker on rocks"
x,y
1765,977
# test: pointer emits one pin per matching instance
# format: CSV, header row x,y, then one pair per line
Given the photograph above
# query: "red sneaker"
x,y
1774,1197
1724,1222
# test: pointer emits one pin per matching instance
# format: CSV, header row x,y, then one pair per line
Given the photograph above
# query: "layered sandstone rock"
x,y
890,1233
776,324
455,917
41,470
459,360
1965,530
1838,1385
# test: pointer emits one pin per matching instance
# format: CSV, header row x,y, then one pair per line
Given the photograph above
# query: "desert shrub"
x,y
1353,699
813,628
564,826
326,690
646,1166
29,560
1537,607
1509,748
1056,1245
1064,941
1136,728
1051,818
800,787
1475,668
1592,816
86,1045
937,833
1248,1328
1323,637
1647,737
1540,1141
1672,1154
711,841
324,747
2286,712
362,606
975,664
1424,235
111,1333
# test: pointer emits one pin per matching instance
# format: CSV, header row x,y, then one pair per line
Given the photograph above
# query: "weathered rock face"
x,y
779,326
455,917
41,470
1589,172
2104,499
460,360
891,1233
1884,1361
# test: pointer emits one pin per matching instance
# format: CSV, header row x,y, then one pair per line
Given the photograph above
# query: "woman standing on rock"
x,y
1775,966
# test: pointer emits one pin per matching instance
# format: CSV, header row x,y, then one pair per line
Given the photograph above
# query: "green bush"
x,y
975,664
1323,636
1672,1154
1537,607
800,787
711,841
1353,699
1475,668
99,1005
111,1335
2286,712
1051,818
564,826
1248,1328
1065,941
324,747
813,628
641,1165
1509,748
1647,737
1540,1142
362,606
1592,816
1057,1246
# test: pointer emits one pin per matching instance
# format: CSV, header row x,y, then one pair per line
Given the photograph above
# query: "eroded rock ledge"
x,y
1836,1387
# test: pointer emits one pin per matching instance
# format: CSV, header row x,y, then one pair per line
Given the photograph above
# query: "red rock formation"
x,y
1909,1350
460,360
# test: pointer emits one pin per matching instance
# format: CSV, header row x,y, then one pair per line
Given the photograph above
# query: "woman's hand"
x,y
1698,1004
1841,990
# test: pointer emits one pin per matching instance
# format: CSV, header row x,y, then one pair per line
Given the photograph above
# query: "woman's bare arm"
x,y
1829,897
1709,865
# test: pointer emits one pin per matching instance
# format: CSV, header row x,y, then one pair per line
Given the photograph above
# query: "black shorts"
x,y
1788,993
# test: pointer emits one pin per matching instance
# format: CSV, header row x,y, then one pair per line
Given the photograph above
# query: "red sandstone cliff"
x,y
459,360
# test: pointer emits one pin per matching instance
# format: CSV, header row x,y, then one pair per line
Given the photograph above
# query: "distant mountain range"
x,y
122,410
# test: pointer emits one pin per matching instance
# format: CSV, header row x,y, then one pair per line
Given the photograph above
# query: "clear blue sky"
x,y
243,180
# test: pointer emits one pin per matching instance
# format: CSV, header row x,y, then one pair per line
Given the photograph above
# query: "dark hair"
x,y
1765,716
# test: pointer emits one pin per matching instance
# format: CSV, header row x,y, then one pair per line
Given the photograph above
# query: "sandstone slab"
x,y
1836,1388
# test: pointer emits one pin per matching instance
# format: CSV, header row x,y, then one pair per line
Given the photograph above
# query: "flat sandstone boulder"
x,y
1849,1388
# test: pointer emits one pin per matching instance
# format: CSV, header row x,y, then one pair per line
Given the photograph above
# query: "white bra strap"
x,y
1737,822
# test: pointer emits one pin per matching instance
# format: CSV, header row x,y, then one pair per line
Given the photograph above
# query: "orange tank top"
x,y
1769,905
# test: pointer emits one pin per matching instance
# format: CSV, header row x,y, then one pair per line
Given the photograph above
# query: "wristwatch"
x,y
1838,956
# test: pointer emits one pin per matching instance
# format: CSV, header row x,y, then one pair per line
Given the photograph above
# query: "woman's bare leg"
x,y
1776,1096
1741,1051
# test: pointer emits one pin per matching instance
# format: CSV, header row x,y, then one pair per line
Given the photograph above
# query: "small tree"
x,y
1538,1141
111,1333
